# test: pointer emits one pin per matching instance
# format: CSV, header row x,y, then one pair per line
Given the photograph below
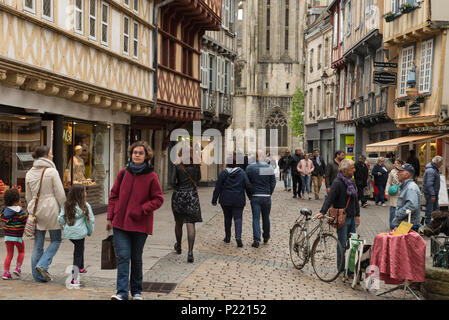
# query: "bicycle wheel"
x,y
324,257
298,250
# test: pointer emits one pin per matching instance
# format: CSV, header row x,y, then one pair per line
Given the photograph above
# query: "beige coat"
x,y
392,181
52,196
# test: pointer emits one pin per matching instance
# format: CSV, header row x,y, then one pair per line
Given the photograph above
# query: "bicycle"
x,y
323,253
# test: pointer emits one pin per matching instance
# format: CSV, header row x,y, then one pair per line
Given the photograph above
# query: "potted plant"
x,y
419,98
389,16
407,7
399,102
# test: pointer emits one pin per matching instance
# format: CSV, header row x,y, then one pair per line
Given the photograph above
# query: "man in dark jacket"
x,y
230,191
285,170
380,174
261,175
361,178
296,176
318,173
332,169
431,186
343,189
414,161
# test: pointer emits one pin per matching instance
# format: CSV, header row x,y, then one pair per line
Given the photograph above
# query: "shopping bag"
x,y
30,228
108,255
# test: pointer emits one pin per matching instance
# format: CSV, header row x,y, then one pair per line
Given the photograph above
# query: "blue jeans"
x,y
343,233
261,205
129,247
42,259
430,207
392,214
305,184
236,213
381,195
287,178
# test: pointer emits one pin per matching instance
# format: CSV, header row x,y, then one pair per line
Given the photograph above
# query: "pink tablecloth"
x,y
400,258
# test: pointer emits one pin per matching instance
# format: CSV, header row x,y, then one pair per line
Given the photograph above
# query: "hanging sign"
x,y
414,109
385,65
385,77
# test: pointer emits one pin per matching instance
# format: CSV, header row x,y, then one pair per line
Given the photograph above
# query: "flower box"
x,y
407,7
419,98
400,103
389,16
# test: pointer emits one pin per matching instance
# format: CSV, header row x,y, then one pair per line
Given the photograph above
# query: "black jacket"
x,y
181,181
320,170
383,178
231,186
338,198
293,164
283,162
414,161
361,174
331,173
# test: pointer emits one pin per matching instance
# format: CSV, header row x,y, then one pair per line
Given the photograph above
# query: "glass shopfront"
x,y
19,135
86,159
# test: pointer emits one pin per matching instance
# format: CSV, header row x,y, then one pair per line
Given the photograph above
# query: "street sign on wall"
x,y
385,77
385,65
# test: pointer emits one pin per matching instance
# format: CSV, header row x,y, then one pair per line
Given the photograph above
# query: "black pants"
x,y
297,184
78,255
361,194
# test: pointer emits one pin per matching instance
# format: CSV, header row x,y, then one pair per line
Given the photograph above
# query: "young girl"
x,y
77,220
14,219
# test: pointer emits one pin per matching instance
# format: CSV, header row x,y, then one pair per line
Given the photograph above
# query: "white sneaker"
x,y
117,297
384,205
137,297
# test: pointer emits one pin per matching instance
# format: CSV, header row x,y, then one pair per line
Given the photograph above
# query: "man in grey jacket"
x,y
409,198
261,175
431,186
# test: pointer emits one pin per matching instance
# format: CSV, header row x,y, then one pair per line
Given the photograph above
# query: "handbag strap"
x,y
347,202
188,175
38,193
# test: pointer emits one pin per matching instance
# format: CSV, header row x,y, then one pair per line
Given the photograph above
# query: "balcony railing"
x,y
371,106
225,105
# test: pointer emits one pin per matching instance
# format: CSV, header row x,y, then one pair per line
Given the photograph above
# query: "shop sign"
x,y
385,77
414,109
429,129
385,65
67,135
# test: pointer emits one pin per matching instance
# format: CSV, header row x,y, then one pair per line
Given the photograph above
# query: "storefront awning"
x,y
393,144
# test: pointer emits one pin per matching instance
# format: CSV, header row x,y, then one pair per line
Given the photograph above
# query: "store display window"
x,y
86,159
19,135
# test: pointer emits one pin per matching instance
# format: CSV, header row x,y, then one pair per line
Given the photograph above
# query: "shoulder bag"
x,y
30,227
338,215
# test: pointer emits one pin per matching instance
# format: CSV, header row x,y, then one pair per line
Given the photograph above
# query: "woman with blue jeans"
x,y
134,197
305,168
51,199
393,181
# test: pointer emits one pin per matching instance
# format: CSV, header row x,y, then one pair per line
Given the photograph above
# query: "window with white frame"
x,y
79,21
47,9
425,70
136,6
204,70
227,78
136,40
232,81
311,111
335,35
349,17
212,72
407,60
342,23
104,23
342,89
126,35
29,6
93,19
226,13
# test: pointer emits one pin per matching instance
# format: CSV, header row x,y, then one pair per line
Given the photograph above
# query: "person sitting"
x,y
409,198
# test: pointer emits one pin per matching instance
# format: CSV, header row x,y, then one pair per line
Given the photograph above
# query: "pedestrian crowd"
x,y
137,194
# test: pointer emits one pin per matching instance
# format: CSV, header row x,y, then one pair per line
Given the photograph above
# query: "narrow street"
x,y
220,270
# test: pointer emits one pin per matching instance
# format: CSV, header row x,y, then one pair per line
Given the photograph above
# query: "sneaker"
x,y
82,271
289,189
18,271
364,205
255,244
44,273
226,240
75,284
7,276
384,205
239,243
137,297
265,241
117,297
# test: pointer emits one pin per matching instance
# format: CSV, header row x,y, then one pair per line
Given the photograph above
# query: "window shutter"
x,y
223,75
232,79
218,82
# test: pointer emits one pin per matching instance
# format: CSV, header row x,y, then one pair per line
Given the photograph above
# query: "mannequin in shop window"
x,y
78,167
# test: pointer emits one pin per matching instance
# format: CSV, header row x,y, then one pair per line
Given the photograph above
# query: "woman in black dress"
x,y
185,201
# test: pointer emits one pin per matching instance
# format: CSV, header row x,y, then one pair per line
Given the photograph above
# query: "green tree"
x,y
297,113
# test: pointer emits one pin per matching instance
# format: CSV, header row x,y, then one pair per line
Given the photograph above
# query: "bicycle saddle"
x,y
306,212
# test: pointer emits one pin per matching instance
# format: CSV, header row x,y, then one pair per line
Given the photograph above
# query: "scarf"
x,y
351,189
138,169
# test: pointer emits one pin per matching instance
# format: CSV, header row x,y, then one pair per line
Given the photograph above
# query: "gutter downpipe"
x,y
155,48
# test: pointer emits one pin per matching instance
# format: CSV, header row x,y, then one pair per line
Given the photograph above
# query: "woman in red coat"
x,y
134,197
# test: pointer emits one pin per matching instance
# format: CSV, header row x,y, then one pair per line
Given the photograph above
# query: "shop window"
x,y
19,135
86,159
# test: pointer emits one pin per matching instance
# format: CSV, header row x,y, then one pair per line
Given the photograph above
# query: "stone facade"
x,y
269,66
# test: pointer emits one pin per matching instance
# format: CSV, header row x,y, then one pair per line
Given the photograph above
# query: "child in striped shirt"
x,y
14,219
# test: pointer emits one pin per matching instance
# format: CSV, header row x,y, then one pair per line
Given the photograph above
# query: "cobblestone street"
x,y
220,270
